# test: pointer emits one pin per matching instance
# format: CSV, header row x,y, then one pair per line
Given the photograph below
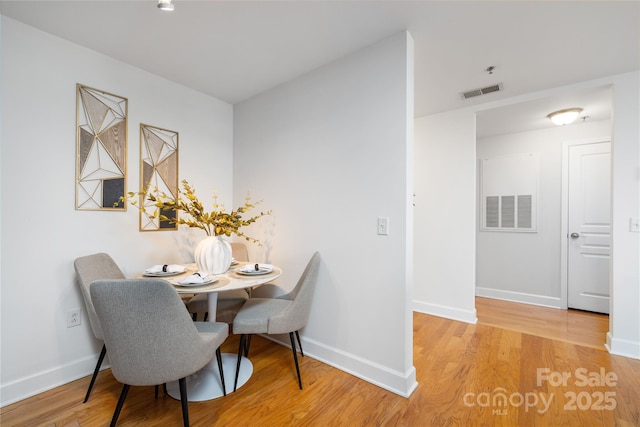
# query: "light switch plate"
x,y
383,226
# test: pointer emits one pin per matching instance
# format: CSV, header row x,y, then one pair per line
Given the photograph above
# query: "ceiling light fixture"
x,y
165,5
565,117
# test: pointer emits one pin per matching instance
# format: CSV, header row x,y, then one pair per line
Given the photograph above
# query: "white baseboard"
x,y
624,348
545,301
400,383
453,313
32,385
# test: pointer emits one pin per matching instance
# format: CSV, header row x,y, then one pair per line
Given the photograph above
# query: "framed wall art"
x,y
101,149
158,173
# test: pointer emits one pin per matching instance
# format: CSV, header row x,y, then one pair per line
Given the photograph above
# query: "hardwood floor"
x,y
574,326
462,371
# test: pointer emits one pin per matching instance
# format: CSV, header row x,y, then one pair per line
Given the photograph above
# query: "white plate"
x,y
252,272
164,273
209,280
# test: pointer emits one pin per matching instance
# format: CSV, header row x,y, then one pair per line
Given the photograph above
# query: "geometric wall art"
x,y
158,174
101,149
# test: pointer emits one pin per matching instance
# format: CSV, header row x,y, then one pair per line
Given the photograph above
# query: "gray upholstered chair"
x,y
229,302
151,337
284,314
89,268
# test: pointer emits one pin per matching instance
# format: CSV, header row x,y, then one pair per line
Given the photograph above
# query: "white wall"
x,y
444,144
445,176
525,267
329,153
624,323
42,233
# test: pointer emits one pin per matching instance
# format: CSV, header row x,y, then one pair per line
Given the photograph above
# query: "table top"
x,y
225,282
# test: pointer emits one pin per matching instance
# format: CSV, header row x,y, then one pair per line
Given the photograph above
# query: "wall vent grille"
x,y
482,91
508,212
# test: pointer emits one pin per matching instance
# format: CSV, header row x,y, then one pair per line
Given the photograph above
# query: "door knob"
x,y
575,235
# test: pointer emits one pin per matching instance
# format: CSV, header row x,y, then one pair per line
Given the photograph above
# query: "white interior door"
x,y
589,227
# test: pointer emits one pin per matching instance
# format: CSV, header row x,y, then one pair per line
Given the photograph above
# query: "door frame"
x,y
564,216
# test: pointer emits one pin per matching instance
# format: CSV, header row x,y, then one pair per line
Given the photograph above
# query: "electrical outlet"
x,y
73,318
634,225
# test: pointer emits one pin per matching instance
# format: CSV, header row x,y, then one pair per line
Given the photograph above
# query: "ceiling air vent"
x,y
482,91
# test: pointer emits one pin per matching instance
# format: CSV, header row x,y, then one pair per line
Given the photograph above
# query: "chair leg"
x,y
182,382
295,358
123,396
299,344
247,344
219,358
95,372
164,389
206,316
240,347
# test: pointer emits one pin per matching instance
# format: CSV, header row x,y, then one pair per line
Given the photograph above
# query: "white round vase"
x,y
213,255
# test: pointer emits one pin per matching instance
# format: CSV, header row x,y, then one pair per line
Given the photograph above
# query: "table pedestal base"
x,y
206,385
